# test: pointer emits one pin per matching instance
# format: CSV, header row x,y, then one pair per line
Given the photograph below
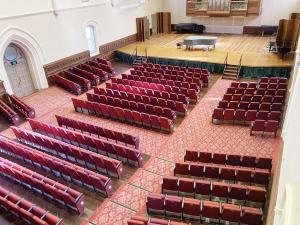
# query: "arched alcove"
x,y
33,54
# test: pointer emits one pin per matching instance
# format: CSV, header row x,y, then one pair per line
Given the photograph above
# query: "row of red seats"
x,y
93,129
159,98
139,102
160,78
146,110
27,211
229,159
244,85
51,189
107,69
195,84
264,106
105,65
124,115
103,76
94,144
67,84
273,80
168,110
202,210
133,93
203,75
58,167
95,80
222,172
164,67
215,191
272,86
280,88
85,84
149,88
244,116
80,156
20,106
198,70
264,126
176,68
140,220
9,114
277,98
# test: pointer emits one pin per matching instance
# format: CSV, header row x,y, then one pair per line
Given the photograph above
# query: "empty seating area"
x,y
50,189
229,159
100,132
71,153
81,78
264,126
153,104
223,172
245,102
9,114
124,115
213,188
58,167
202,210
20,106
91,143
25,210
175,73
191,93
215,191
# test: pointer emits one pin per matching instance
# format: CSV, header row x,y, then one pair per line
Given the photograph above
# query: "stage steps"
x,y
231,72
139,61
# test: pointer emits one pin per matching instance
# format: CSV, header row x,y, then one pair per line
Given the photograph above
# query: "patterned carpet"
x,y
195,132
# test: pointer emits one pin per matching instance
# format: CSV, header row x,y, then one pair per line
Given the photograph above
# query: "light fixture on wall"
x,y
126,4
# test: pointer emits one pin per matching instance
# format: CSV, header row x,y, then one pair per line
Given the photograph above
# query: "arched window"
x,y
92,43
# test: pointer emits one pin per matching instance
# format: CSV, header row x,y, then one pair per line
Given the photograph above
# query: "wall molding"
x,y
54,11
65,63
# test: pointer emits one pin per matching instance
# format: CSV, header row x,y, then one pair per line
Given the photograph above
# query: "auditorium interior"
x,y
149,112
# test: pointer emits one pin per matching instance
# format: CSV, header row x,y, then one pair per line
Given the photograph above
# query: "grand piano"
x,y
192,41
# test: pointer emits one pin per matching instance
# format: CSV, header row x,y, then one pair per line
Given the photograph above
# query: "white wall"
x,y
272,11
287,204
63,35
57,26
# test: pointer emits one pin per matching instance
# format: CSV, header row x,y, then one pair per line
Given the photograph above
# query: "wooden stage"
x,y
253,48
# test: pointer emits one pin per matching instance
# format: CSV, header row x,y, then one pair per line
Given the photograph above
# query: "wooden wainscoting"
x,y
107,50
65,63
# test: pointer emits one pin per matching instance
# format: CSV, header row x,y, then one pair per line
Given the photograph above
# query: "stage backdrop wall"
x,y
272,12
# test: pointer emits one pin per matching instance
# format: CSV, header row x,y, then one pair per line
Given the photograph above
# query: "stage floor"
x,y
253,48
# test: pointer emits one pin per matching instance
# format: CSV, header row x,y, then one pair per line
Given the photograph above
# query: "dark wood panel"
x,y
65,63
253,30
2,88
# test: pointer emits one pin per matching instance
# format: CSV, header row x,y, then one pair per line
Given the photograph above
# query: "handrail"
x,y
146,52
134,52
226,58
240,64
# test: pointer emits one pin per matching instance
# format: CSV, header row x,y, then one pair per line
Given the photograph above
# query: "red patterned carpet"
x,y
195,132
